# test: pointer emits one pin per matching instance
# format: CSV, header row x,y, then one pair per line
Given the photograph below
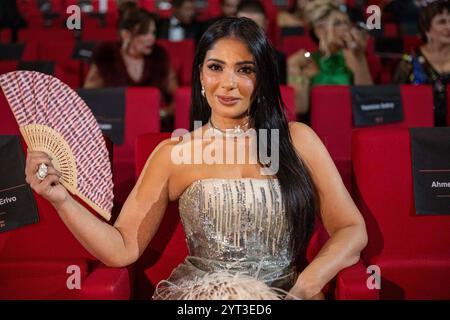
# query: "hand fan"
x,y
54,119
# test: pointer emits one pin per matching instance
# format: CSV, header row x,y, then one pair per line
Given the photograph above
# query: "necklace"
x,y
236,131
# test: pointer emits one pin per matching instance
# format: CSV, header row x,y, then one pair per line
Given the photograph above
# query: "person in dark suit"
x,y
181,25
10,18
254,10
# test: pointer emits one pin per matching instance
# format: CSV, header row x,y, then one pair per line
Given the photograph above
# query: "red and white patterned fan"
x,y
54,119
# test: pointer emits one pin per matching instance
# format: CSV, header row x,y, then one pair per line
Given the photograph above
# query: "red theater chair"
x,y
8,66
291,44
181,54
331,119
35,259
141,116
288,96
168,247
100,34
71,71
412,251
182,107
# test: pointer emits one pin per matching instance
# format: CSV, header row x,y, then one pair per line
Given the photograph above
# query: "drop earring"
x,y
203,91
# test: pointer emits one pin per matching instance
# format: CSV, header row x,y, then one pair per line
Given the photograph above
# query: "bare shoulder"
x,y
302,134
307,143
159,159
163,149
162,157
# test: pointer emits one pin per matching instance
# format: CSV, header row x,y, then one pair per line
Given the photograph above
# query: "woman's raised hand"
x,y
49,187
355,41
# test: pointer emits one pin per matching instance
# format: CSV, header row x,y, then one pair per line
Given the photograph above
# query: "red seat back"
x,y
383,176
8,66
182,107
291,44
8,124
100,34
141,116
331,118
288,96
181,54
411,250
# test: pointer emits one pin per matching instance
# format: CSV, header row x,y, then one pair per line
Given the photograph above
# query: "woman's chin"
x,y
231,112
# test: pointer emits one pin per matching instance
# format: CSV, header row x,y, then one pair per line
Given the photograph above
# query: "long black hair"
x,y
266,112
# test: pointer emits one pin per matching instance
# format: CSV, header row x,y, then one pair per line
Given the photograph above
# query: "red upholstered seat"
x,y
288,96
141,116
168,247
411,250
331,119
68,70
8,66
291,44
181,54
100,34
182,107
8,124
34,258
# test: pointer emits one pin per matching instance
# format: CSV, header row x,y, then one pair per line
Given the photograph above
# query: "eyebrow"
x,y
238,63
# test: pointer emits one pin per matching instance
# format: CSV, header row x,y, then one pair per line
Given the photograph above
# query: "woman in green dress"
x,y
340,60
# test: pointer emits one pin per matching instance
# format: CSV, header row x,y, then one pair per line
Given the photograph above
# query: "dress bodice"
x,y
232,226
237,220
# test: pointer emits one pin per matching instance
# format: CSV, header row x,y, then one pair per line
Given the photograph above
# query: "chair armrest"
x,y
105,283
351,284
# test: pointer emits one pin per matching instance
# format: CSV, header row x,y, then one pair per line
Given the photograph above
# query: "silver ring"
x,y
42,171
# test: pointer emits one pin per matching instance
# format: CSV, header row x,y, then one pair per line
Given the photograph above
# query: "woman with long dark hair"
x,y
250,186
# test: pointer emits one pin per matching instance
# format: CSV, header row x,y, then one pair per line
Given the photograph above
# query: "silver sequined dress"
x,y
237,225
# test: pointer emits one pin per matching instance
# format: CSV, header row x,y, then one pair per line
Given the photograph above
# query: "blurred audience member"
x,y
181,25
254,10
229,7
340,59
294,16
403,11
354,12
136,60
430,64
